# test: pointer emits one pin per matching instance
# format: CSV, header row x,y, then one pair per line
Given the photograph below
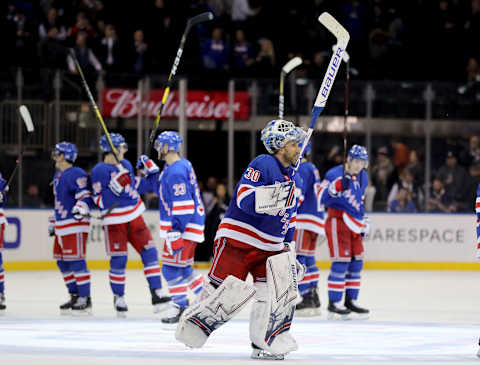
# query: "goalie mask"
x,y
117,140
170,138
69,151
277,133
359,153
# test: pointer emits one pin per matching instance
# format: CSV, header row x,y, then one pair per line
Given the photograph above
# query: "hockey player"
x,y
70,226
3,223
255,236
343,194
477,255
182,218
310,225
115,184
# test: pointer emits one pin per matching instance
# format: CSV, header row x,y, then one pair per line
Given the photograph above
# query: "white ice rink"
x,y
421,317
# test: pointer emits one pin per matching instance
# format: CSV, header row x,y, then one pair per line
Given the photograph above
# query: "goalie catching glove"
x,y
147,166
276,197
120,181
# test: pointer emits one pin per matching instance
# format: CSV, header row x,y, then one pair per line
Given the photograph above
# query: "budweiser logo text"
x,y
125,103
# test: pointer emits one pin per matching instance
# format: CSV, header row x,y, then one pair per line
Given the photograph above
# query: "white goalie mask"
x,y
277,133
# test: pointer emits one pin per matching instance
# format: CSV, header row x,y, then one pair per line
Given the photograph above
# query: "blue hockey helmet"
x,y
277,133
170,138
69,151
359,153
117,141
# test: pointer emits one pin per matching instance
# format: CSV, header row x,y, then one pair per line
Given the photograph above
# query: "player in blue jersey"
x,y
114,187
182,218
3,223
310,225
255,236
70,226
343,194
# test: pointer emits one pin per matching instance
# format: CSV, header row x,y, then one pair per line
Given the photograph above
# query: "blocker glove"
x,y
119,181
174,242
147,166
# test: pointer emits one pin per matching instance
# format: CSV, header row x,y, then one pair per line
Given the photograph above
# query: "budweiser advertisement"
x,y
201,104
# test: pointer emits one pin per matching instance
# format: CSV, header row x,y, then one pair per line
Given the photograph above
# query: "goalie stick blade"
x,y
290,65
200,18
27,119
335,28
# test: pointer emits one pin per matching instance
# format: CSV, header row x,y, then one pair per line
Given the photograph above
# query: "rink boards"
x,y
396,241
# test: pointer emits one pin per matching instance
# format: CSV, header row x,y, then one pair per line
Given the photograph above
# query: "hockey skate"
x,y
83,306
160,300
309,306
2,303
66,308
357,312
120,306
261,354
172,316
338,311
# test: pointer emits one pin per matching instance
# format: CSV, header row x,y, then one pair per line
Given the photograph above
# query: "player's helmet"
x,y
170,138
117,141
360,153
277,133
69,151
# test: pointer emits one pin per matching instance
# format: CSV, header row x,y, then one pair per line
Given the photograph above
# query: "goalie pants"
x,y
232,257
346,253
305,247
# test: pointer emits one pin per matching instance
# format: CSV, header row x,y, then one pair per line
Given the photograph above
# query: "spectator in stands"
x,y
86,58
208,194
52,21
381,172
241,10
416,167
215,51
400,155
243,54
24,42
82,25
402,203
52,56
265,61
32,197
138,59
407,182
456,180
440,200
109,51
470,155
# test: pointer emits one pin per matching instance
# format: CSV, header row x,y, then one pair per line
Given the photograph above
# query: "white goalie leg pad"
x,y
201,319
274,306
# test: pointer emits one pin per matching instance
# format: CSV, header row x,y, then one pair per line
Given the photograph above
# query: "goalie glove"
x,y
174,242
119,181
147,166
80,210
51,226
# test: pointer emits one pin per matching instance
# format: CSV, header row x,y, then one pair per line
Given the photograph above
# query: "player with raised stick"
x,y
70,226
255,236
342,192
182,218
114,183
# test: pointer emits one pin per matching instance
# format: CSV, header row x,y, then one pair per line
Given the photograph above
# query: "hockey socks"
x,y
2,275
352,284
151,268
310,280
82,277
117,274
177,286
336,281
68,276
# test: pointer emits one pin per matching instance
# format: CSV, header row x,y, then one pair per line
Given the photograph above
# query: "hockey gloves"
x,y
174,242
119,182
338,185
51,226
80,210
147,166
366,228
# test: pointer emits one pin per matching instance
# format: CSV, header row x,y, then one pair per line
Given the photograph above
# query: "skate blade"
x,y
82,313
307,312
262,355
121,314
360,316
65,312
331,316
159,308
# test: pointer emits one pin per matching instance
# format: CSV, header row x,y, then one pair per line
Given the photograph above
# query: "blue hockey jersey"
x,y
477,210
129,204
69,186
3,219
242,223
310,214
350,201
180,206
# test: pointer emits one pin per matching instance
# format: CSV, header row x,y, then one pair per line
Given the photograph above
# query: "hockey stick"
x,y
190,24
27,120
289,66
94,105
342,40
